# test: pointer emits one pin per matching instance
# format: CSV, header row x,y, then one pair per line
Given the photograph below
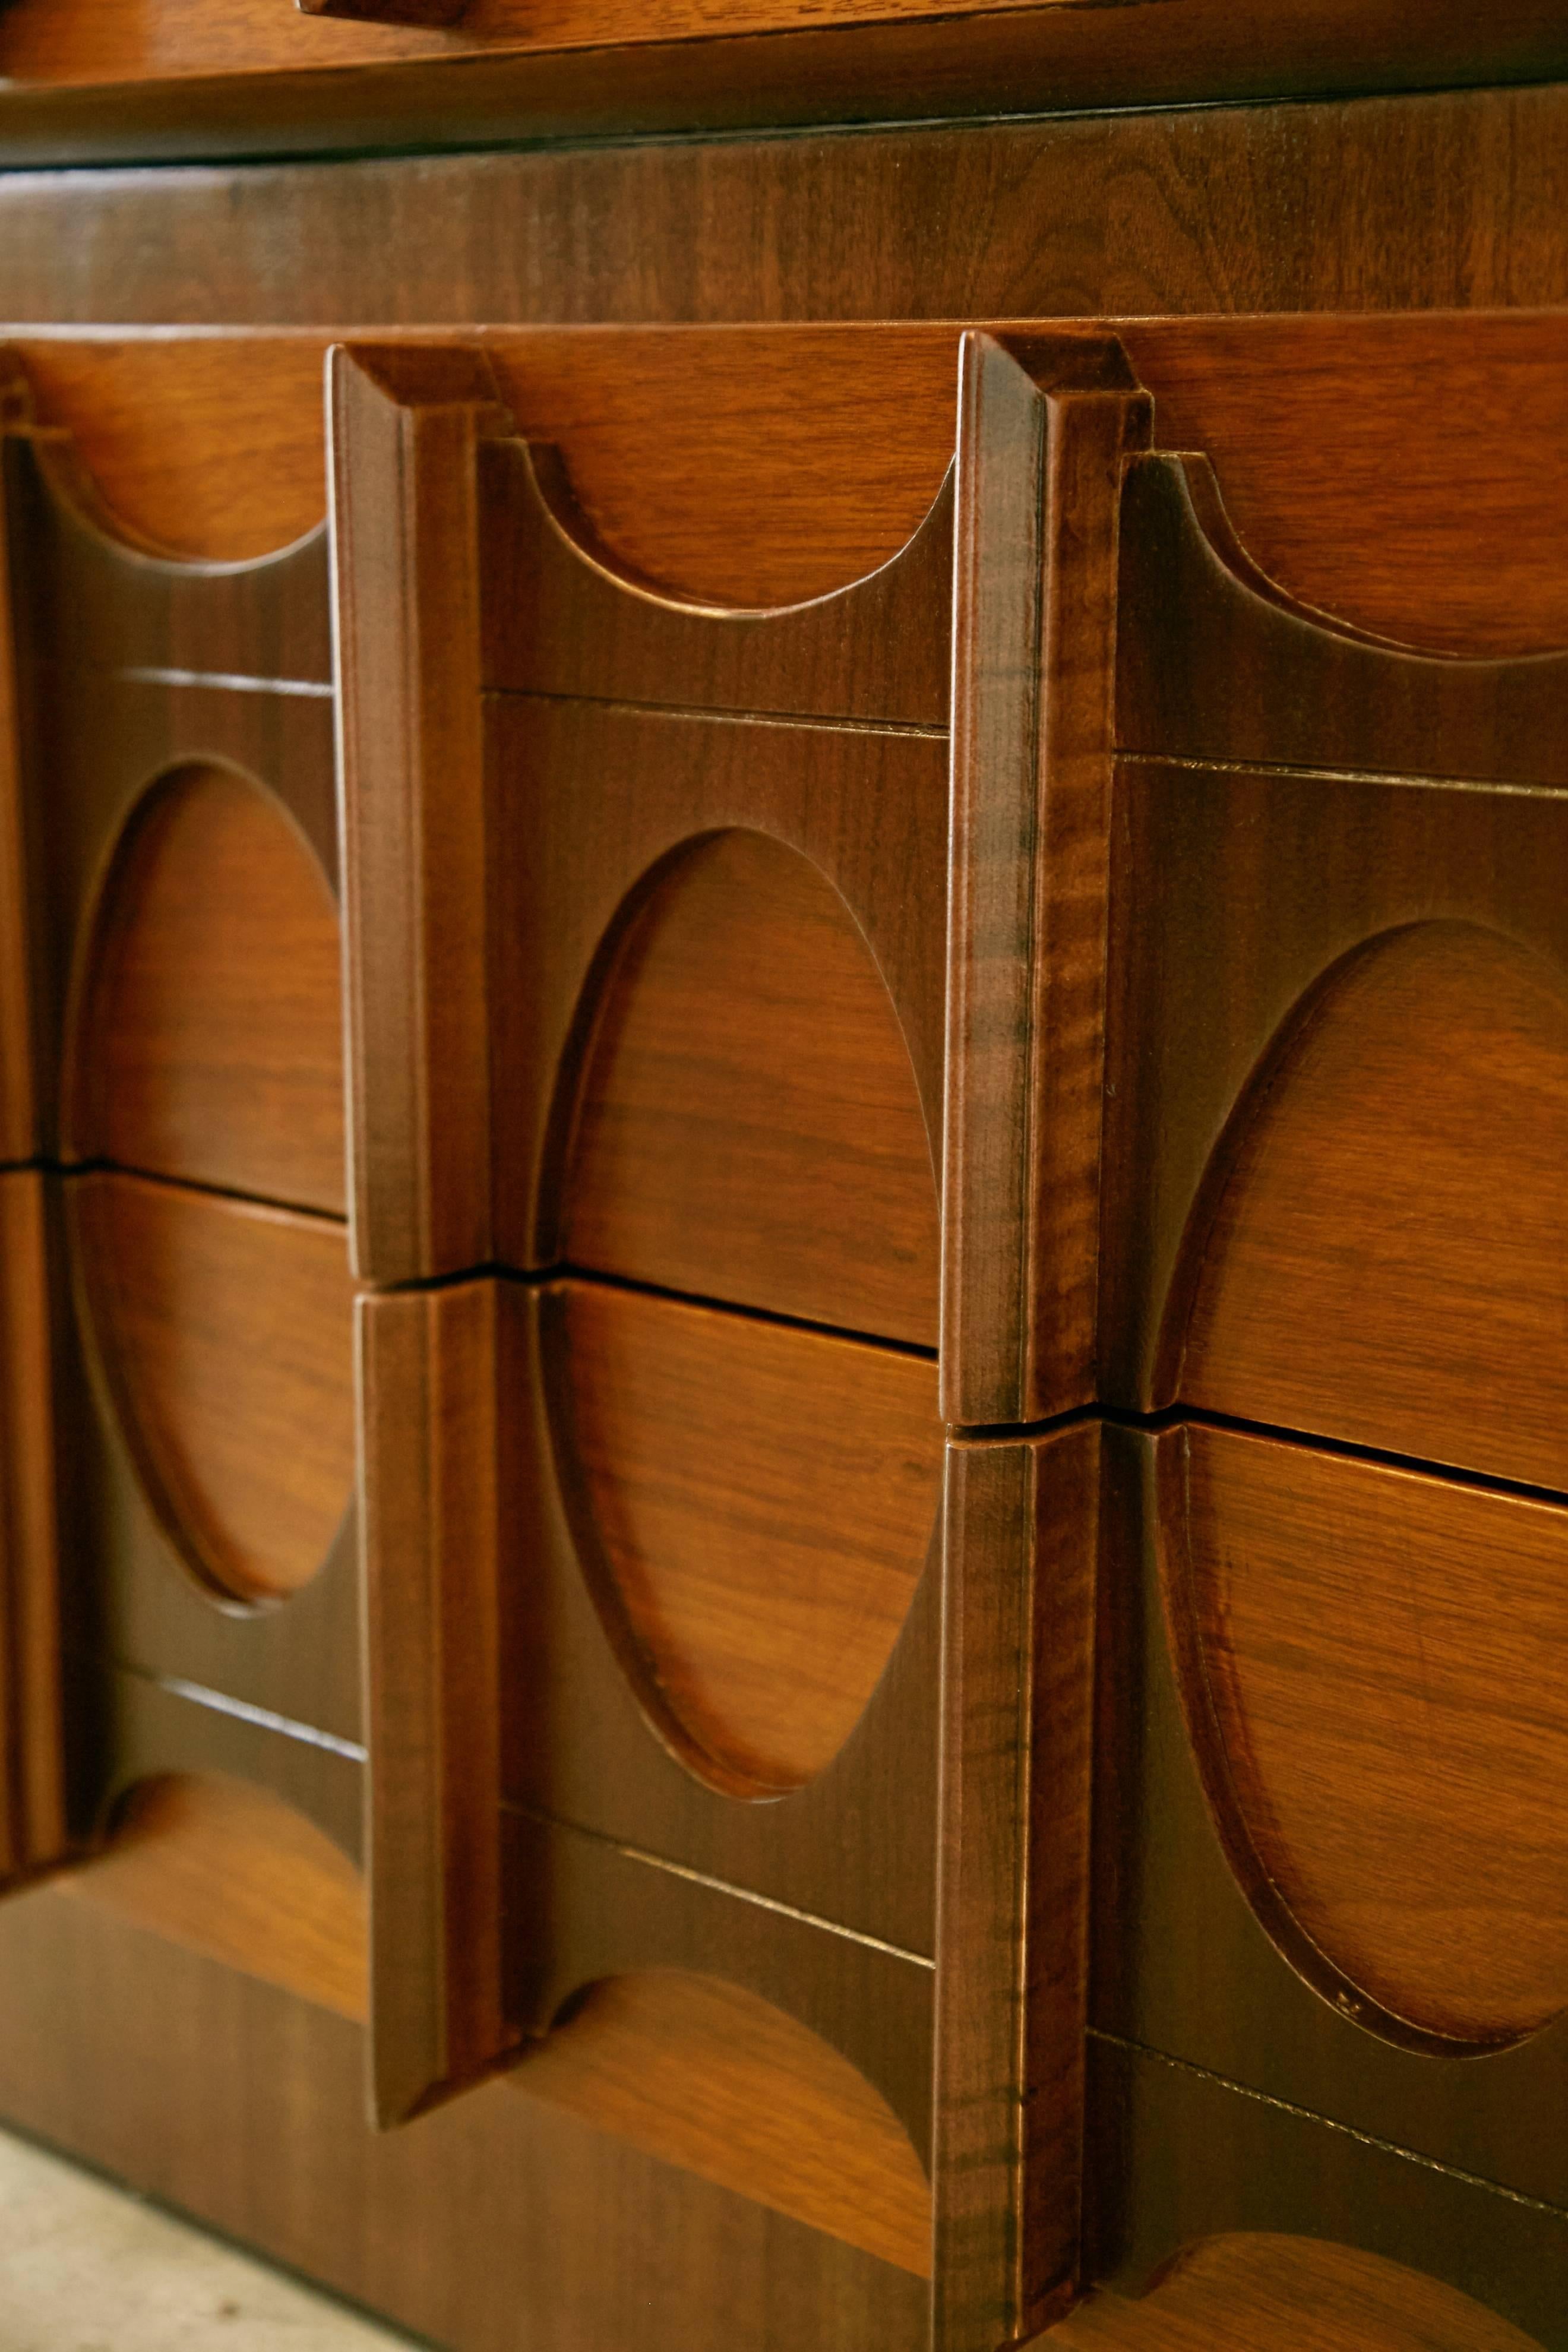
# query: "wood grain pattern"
x,y
1379,1651
406,537
758,1504
1220,664
1013,1910
732,463
1445,200
432,1474
232,1872
34,1829
565,616
493,2213
1043,430
1184,2156
1385,1258
1256,2293
703,2074
748,1127
869,808
583,1910
223,1329
256,396
742,63
208,1041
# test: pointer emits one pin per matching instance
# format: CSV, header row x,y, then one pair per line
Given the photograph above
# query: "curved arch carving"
x,y
701,2074
1257,2291
235,1872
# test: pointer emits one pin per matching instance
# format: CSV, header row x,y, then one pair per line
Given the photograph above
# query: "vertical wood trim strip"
x,y
1042,429
411,756
36,1829
1012,1908
430,1516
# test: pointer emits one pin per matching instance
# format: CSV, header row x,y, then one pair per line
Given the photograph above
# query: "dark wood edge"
x,y
1044,424
1013,61
1019,1674
34,1831
19,1116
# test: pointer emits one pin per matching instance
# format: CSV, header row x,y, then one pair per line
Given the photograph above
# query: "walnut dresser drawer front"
x,y
931,1330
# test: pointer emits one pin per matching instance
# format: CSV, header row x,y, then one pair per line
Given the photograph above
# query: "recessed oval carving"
x,y
753,1498
1385,1258
208,1043
225,1331
747,1125
1371,1668
704,2075
753,1506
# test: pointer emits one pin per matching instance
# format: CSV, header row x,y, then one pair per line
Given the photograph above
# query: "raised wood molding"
x,y
428,1382
405,553
1023,1546
1045,427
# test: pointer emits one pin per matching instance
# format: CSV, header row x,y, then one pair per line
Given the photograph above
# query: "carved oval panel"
x,y
754,1498
209,1039
706,2076
1387,1259
754,1505
1371,1668
747,1125
225,1331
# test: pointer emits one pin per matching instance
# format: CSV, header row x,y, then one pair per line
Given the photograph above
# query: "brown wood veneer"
x,y
224,1329
209,1031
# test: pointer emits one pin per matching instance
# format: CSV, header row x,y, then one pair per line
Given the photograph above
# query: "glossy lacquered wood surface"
x,y
232,1872
747,1125
759,1503
210,1038
1369,1659
495,2212
733,465
702,2074
225,1332
738,64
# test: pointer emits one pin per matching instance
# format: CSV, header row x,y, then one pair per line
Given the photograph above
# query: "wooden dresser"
x,y
784,1160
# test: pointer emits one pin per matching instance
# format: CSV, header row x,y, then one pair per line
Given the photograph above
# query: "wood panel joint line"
x,y
1305,1440
1328,2122
723,1886
1309,773
196,1185
261,1717
568,1272
789,720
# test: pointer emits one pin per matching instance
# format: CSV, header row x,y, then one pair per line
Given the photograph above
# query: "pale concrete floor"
x,y
87,2268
